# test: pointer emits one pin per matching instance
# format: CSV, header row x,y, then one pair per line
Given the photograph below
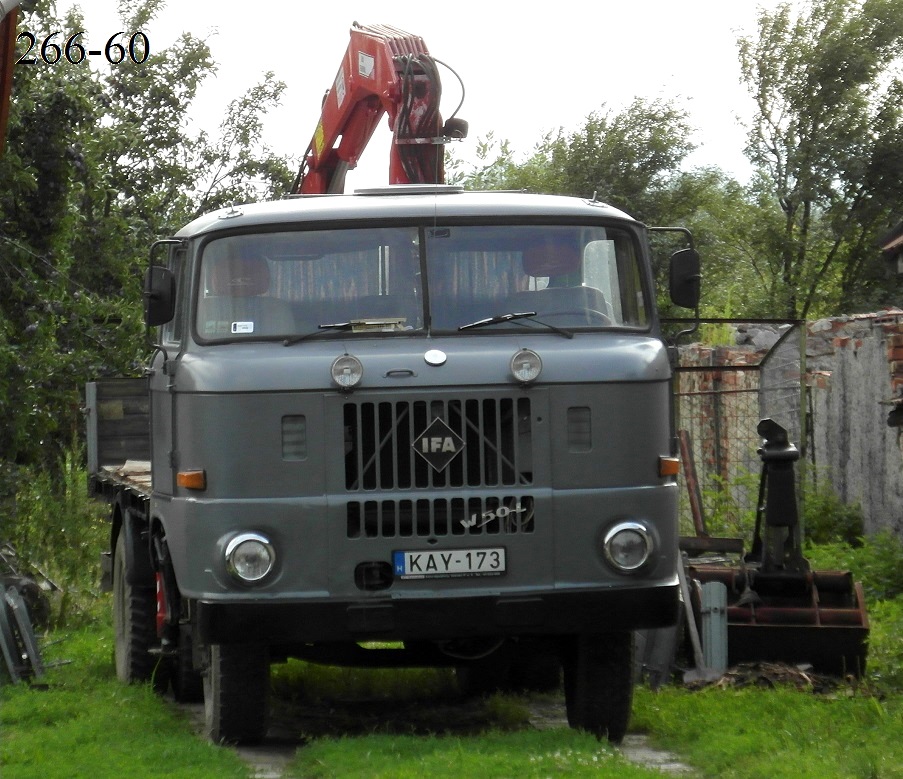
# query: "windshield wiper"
x,y
494,320
510,317
320,329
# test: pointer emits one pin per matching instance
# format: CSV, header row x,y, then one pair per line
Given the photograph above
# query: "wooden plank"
x,y
689,465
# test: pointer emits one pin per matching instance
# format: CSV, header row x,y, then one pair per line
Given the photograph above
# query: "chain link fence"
x,y
721,395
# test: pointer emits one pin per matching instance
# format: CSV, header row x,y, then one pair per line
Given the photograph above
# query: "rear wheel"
x,y
236,693
598,683
134,615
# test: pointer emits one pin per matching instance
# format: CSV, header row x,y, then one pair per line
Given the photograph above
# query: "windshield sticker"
x,y
242,328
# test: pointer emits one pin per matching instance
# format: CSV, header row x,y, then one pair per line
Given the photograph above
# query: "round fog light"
x,y
526,366
250,557
627,546
347,371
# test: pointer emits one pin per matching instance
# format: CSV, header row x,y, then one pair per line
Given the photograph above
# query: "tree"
x,y
97,166
827,141
628,158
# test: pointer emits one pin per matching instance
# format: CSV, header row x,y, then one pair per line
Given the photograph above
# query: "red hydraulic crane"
x,y
384,71
8,16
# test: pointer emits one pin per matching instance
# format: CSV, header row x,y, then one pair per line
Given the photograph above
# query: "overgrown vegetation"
x,y
753,733
58,534
98,165
827,519
876,561
729,507
86,723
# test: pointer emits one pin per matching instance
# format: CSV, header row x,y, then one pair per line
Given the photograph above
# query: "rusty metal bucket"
x,y
778,609
814,617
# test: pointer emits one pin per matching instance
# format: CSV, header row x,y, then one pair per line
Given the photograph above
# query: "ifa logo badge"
x,y
438,444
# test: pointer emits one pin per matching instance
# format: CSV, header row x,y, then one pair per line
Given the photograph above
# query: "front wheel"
x,y
598,683
236,693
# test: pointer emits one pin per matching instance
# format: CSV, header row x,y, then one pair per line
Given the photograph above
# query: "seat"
x,y
238,302
573,304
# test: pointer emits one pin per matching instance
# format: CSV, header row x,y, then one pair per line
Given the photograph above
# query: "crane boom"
x,y
384,71
8,14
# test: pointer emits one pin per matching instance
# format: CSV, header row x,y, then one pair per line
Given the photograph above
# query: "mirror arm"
x,y
151,341
689,236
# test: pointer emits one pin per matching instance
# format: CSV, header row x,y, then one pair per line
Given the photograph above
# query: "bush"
x,y
877,562
826,518
730,506
57,530
885,659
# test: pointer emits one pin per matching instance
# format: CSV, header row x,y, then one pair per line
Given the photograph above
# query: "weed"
x,y
826,518
58,530
508,711
730,505
876,561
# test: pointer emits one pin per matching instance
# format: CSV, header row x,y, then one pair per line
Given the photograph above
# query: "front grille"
x,y
496,434
443,517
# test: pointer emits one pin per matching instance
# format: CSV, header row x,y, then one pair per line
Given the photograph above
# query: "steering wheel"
x,y
583,312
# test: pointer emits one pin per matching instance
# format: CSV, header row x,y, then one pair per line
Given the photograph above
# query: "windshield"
x,y
569,276
295,284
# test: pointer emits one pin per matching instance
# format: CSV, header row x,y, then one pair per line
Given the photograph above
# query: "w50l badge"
x,y
513,515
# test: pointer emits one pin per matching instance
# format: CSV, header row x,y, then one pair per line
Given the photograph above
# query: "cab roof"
x,y
401,201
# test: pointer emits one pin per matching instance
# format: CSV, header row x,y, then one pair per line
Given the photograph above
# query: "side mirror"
x,y
159,296
684,278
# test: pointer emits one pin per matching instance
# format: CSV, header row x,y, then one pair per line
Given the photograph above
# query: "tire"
x,y
134,623
236,693
598,683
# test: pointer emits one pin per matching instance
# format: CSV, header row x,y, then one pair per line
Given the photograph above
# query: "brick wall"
x,y
855,380
854,375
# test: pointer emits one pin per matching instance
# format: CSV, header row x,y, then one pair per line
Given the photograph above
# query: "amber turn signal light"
x,y
192,480
668,466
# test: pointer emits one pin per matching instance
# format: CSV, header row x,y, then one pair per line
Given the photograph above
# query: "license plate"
x,y
449,563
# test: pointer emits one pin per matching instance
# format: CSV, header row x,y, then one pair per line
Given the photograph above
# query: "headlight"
x,y
526,366
627,546
347,371
250,557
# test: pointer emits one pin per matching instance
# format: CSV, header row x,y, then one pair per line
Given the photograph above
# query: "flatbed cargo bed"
x,y
118,419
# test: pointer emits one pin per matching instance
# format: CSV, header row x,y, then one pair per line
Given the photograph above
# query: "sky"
x,y
527,69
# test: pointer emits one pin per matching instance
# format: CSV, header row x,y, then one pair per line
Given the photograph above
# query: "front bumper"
x,y
544,613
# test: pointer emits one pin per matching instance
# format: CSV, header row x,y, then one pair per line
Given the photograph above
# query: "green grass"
x,y
563,753
783,732
86,724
